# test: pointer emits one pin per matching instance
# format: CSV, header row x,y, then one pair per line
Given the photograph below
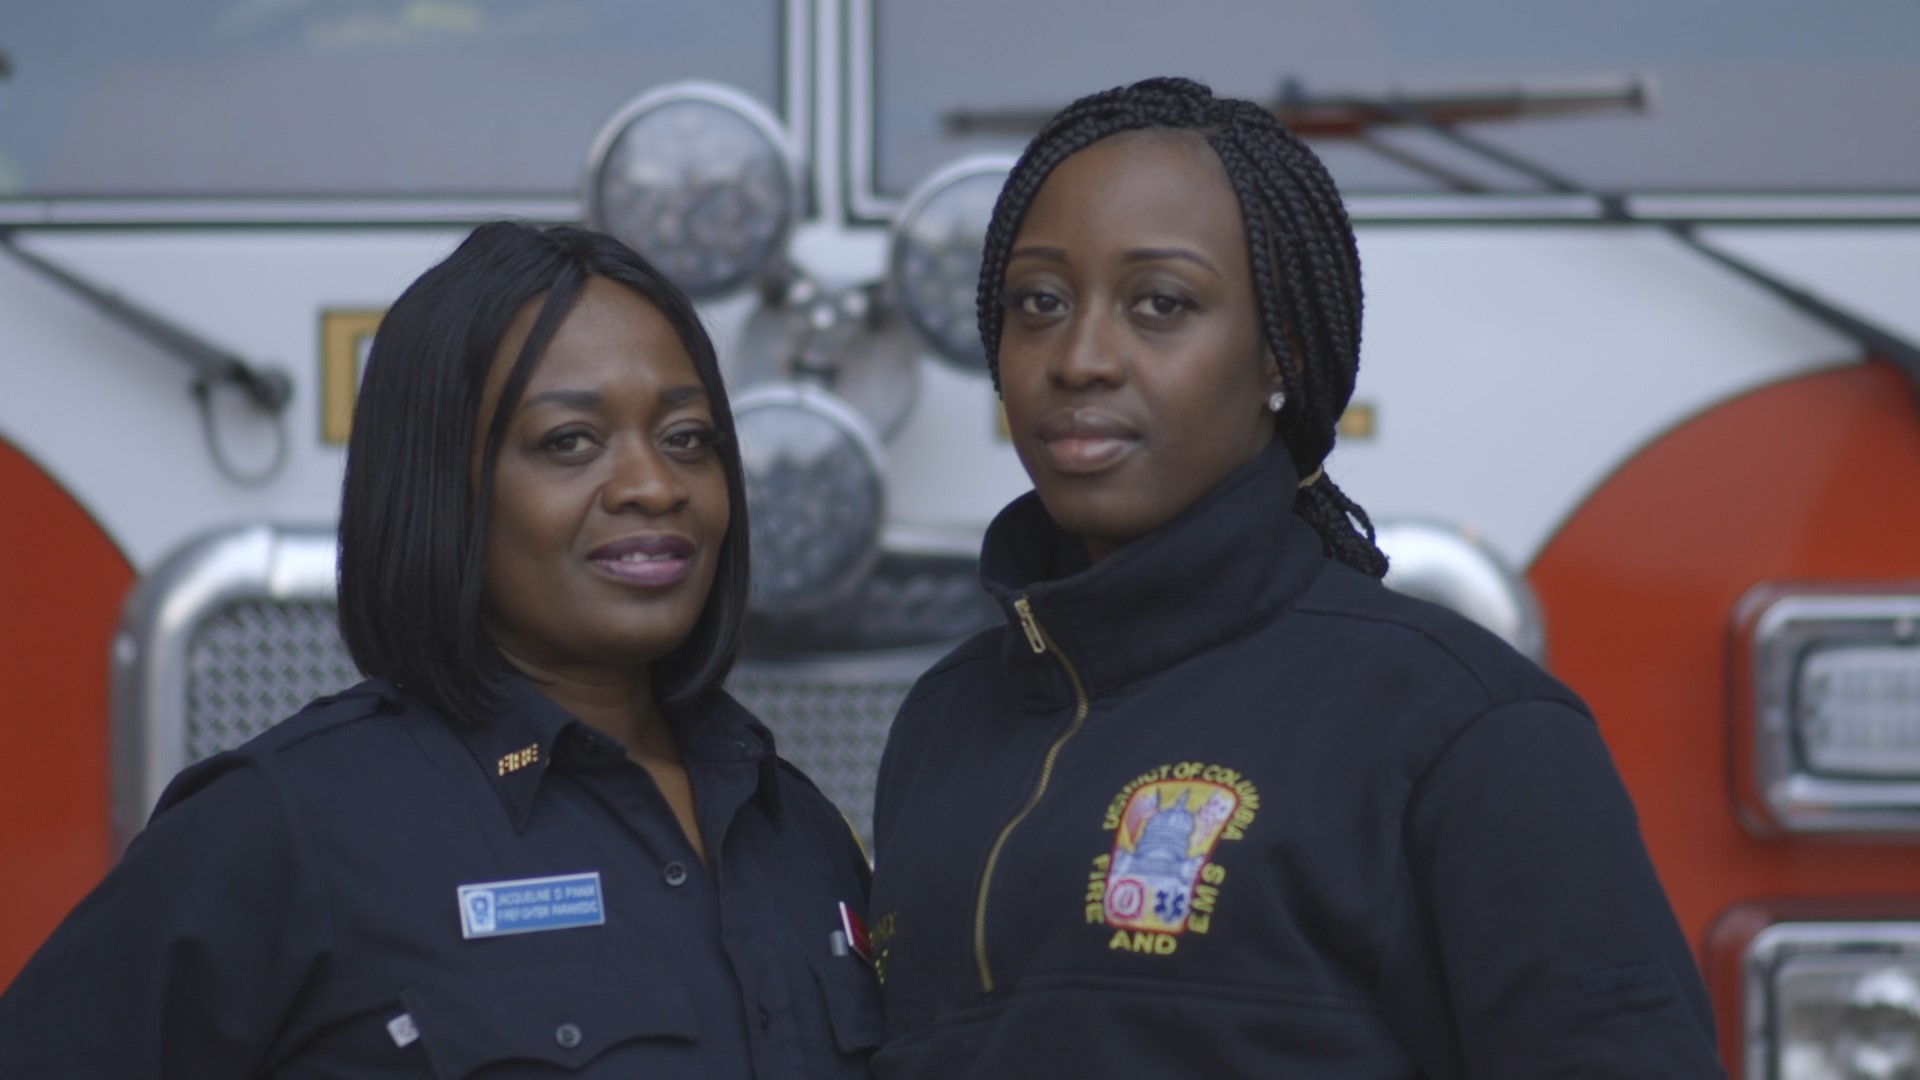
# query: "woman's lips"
x,y
653,561
1082,441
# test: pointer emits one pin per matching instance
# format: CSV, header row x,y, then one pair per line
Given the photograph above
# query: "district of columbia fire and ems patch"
x,y
1158,879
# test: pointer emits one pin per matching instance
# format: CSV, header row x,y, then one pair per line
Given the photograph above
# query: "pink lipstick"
x,y
653,561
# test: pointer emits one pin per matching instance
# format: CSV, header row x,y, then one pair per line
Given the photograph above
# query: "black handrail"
x,y
1346,116
267,387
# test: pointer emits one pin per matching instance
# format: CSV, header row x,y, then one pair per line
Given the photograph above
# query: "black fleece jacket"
x,y
1221,806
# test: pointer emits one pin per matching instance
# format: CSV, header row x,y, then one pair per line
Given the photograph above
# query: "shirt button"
x,y
675,874
567,1035
590,746
766,1018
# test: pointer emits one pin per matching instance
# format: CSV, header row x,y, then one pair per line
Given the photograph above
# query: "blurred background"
x,y
1637,392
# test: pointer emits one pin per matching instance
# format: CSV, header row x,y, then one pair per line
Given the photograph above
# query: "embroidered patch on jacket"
x,y
1159,880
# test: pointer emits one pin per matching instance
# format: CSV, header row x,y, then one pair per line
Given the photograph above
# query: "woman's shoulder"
x,y
357,731
332,714
1350,613
800,795
960,665
829,834
797,791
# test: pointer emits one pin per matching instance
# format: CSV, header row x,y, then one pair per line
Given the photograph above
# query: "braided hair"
x,y
1306,267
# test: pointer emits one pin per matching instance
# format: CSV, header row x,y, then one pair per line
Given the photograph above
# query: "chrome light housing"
x,y
1825,710
933,266
1452,567
229,634
701,179
842,340
1832,1001
816,496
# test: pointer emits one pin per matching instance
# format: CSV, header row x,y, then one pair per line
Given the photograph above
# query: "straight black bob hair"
x,y
412,524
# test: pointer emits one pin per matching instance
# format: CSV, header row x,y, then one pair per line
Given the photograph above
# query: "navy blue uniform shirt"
x,y
293,910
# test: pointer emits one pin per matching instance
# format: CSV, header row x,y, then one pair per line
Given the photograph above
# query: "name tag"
x,y
497,908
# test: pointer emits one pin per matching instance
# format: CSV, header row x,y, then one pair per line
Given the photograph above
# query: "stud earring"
x,y
1277,401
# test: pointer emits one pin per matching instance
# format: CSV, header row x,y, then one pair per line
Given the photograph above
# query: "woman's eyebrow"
x,y
588,400
577,399
1057,255
1153,254
676,396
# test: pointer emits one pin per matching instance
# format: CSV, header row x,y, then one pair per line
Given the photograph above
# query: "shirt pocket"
x,y
558,1016
853,1003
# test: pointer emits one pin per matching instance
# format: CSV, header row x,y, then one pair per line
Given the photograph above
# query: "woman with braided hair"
x,y
1214,801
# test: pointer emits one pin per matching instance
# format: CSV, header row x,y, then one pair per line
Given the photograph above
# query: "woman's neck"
x,y
619,703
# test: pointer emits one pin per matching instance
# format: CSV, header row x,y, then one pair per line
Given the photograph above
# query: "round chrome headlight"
x,y
934,264
1454,569
701,179
816,496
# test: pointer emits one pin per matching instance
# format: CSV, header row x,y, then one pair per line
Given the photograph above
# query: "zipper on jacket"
x,y
1041,643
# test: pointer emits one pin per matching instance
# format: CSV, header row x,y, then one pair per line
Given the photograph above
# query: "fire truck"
x,y
1638,390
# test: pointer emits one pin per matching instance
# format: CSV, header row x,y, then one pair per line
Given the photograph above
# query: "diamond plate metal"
x,y
253,663
831,725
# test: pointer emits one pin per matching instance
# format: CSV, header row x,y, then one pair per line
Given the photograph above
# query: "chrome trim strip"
x,y
1490,207
1753,208
826,158
860,91
1780,941
1364,208
798,106
1881,207
1796,801
148,725
902,539
129,213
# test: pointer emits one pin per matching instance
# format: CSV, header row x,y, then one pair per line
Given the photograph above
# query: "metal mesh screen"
x,y
255,662
832,726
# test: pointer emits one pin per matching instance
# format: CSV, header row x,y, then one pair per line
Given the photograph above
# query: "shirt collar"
x,y
718,733
516,747
1226,564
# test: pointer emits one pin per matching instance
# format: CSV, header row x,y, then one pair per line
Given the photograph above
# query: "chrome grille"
x,y
255,662
830,718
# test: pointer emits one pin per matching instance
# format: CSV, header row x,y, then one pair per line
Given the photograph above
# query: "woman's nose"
x,y
1090,352
642,478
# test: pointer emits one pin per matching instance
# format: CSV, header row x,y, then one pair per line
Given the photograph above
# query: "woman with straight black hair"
x,y
1215,802
540,840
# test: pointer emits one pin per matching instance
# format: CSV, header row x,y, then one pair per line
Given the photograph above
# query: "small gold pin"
x,y
519,759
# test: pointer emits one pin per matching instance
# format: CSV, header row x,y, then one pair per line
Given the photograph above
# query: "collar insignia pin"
x,y
519,759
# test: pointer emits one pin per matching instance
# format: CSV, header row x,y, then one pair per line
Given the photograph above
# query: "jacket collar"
x,y
517,747
1220,568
